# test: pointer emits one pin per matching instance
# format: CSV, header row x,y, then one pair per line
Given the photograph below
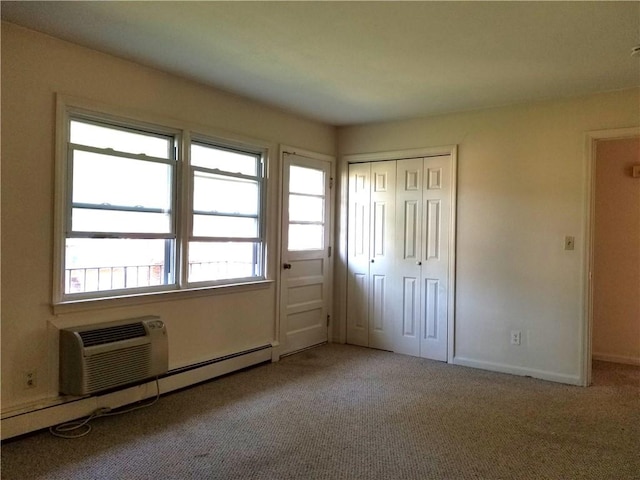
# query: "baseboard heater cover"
x,y
195,366
22,422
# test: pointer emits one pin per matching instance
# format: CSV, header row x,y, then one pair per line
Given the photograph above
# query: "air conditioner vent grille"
x,y
118,367
117,333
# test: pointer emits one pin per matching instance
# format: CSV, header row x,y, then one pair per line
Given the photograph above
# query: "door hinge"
x,y
328,319
329,251
331,182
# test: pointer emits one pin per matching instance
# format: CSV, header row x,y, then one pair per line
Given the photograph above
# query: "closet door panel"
x,y
435,266
382,245
407,268
358,244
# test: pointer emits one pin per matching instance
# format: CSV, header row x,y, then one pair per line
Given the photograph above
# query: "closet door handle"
x,y
418,263
373,261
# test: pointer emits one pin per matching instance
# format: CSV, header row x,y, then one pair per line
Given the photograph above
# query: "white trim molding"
x,y
521,371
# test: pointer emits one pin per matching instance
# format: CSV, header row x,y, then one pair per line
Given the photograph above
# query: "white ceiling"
x,y
358,62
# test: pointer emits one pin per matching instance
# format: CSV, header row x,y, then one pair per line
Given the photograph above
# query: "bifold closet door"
x,y
370,254
436,231
381,266
408,268
423,216
358,254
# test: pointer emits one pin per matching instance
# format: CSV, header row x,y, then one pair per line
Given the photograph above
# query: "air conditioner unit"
x,y
108,355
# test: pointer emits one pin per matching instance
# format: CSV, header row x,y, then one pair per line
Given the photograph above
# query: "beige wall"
x,y
34,68
616,297
521,190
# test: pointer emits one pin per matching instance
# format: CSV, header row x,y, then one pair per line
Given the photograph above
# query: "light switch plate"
x,y
569,243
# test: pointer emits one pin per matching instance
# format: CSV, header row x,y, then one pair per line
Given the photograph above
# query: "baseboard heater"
x,y
99,357
213,361
64,409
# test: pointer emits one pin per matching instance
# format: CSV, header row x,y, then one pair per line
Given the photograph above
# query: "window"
x,y
225,239
127,229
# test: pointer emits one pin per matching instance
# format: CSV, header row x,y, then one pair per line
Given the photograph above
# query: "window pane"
x,y
88,220
229,161
220,194
130,141
306,237
105,179
306,209
306,180
216,226
210,261
108,264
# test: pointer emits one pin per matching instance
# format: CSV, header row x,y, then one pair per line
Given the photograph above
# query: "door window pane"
x,y
306,209
306,180
210,261
306,237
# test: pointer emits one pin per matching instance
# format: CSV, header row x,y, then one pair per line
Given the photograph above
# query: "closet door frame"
x,y
341,234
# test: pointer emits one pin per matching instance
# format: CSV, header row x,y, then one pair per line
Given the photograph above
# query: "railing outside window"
x,y
88,279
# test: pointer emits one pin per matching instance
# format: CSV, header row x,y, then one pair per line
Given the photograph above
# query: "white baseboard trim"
x,y
18,421
606,357
521,371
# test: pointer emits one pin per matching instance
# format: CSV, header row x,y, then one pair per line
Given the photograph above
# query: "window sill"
x,y
166,296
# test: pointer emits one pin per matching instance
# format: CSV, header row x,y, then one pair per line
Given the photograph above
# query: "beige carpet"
x,y
343,412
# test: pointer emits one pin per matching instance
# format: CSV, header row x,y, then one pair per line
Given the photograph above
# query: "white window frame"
x,y
69,108
260,178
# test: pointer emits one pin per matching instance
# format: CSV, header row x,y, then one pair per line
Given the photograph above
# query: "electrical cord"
x,y
69,429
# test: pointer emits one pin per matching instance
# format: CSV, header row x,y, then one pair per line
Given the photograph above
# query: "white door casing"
x,y
306,273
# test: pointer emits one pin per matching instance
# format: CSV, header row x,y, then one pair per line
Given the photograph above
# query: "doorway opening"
x,y
612,340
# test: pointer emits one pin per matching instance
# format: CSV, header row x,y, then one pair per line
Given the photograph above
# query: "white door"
x,y
358,258
436,228
382,223
408,266
370,254
306,271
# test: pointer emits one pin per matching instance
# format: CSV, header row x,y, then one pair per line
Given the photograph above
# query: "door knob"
x,y
373,261
286,266
418,263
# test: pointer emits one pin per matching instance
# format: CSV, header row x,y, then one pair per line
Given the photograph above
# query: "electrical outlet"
x,y
516,337
30,379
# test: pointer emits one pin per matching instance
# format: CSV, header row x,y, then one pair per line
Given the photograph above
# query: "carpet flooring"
x,y
344,412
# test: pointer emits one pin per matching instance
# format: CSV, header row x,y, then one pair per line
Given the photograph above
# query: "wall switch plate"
x,y
516,337
569,242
